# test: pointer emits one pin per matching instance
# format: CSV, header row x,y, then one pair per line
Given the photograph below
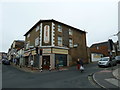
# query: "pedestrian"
x,y
81,62
31,63
57,64
78,64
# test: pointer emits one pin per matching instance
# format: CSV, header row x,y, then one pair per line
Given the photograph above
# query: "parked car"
x,y
117,58
5,62
106,62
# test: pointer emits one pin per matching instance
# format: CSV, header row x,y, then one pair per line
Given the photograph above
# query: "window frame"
x,y
70,42
59,28
60,41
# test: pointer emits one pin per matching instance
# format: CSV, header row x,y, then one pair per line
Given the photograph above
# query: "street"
x,y
14,78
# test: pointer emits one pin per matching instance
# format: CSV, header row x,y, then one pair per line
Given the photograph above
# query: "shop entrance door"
x,y
46,62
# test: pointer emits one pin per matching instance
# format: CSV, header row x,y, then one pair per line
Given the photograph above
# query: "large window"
x,y
59,41
70,43
59,28
70,32
27,45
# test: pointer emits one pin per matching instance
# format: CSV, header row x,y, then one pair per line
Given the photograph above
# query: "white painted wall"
x,y
95,57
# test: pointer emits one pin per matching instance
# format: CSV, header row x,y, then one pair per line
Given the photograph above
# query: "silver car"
x,y
105,61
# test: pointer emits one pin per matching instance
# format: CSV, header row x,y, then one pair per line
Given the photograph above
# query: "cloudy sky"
x,y
97,17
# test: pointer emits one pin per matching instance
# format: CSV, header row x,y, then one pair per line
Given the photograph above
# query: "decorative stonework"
x,y
53,35
40,34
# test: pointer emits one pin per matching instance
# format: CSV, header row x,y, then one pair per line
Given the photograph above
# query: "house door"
x,y
46,62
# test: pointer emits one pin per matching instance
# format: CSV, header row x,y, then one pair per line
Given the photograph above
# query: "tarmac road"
x,y
72,78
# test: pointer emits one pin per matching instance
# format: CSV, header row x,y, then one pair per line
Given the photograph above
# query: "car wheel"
x,y
109,65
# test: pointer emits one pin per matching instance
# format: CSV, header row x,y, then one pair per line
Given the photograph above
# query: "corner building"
x,y
49,42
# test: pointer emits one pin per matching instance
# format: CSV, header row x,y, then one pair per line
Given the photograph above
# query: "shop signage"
x,y
34,52
46,34
59,51
26,54
47,50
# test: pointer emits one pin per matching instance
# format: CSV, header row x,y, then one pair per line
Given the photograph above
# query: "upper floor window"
x,y
27,45
28,35
59,28
37,28
70,32
70,43
97,47
37,41
59,41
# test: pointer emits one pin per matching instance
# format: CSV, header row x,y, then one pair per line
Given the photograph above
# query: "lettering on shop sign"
x,y
46,34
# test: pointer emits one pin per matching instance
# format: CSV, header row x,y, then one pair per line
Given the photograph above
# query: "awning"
x,y
26,54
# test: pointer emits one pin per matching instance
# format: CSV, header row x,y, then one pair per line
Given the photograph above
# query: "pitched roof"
x,y
99,44
52,20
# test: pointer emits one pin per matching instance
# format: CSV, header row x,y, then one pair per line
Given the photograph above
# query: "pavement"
x,y
36,70
109,78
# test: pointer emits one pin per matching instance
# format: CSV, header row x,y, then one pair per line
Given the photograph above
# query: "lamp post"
x,y
110,42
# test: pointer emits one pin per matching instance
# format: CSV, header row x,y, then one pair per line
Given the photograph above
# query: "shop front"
x,y
26,58
50,56
35,58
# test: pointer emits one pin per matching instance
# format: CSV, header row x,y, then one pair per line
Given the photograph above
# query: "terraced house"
x,y
51,41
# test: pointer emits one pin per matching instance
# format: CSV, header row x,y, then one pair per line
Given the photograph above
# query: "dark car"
x,y
117,58
5,62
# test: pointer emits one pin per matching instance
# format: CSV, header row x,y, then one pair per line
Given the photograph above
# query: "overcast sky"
x,y
97,17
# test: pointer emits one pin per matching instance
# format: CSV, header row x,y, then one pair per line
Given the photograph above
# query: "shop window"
x,y
62,59
59,28
70,43
59,41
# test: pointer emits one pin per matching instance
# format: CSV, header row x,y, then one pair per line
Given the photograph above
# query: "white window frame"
x,y
37,28
37,41
70,42
70,32
27,45
59,28
28,35
97,47
59,41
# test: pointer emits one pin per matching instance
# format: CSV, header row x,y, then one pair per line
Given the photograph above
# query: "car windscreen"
x,y
104,59
117,57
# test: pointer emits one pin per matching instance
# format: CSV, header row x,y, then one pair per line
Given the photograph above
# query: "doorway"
x,y
46,62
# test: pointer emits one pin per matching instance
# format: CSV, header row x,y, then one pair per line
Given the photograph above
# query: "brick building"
x,y
99,50
15,47
49,41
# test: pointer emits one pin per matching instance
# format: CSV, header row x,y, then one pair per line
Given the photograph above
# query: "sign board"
x,y
46,34
27,54
59,51
48,50
34,52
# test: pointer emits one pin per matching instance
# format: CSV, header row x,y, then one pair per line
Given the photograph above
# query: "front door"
x,y
46,62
